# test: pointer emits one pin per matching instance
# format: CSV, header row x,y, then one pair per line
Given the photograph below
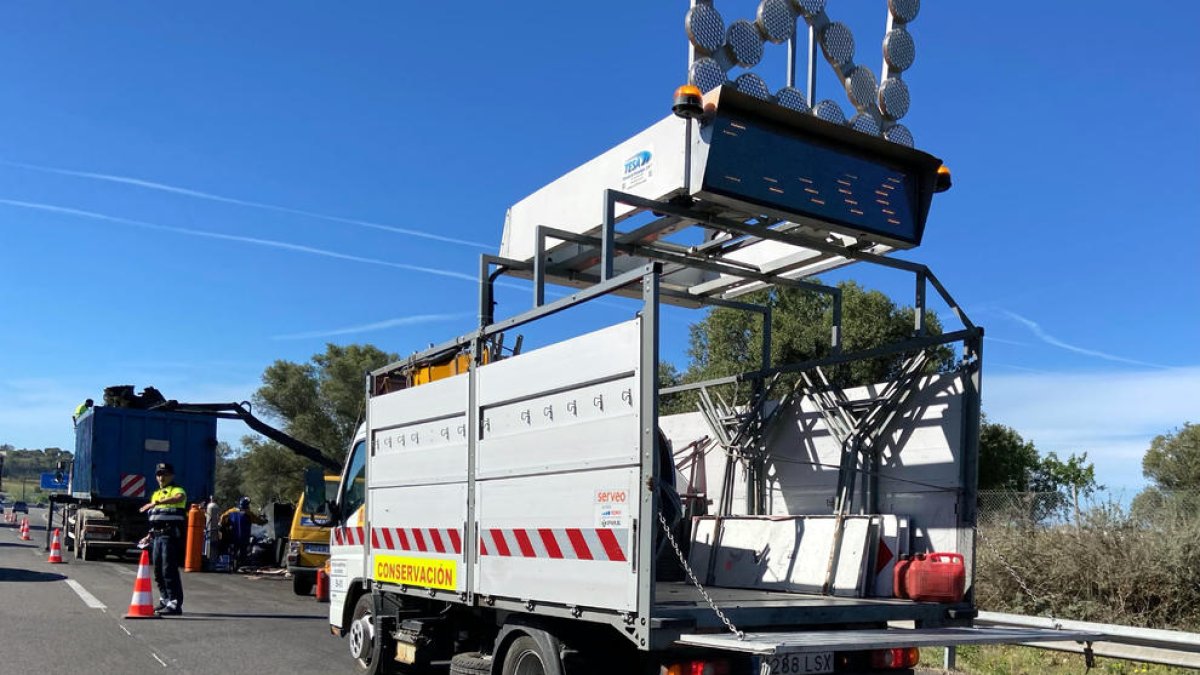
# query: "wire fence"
x,y
1107,556
1051,509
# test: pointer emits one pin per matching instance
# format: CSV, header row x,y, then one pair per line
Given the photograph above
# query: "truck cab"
x,y
308,543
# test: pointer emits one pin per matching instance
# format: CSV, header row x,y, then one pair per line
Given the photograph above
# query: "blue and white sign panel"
x,y
50,483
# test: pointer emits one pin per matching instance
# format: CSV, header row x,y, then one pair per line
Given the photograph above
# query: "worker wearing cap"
x,y
168,518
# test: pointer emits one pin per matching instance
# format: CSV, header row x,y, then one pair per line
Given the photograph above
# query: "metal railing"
x,y
1147,645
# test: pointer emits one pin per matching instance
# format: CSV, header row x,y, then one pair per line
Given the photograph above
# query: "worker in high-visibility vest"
x,y
81,409
168,521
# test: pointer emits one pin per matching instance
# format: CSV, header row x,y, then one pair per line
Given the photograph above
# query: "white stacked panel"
x,y
785,554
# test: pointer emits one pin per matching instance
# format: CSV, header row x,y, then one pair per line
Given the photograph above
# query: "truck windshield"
x,y
356,480
331,486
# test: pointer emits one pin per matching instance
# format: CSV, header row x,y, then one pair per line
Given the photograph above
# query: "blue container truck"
x,y
112,474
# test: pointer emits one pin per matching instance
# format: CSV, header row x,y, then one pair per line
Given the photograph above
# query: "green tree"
x,y
1072,478
229,476
1006,460
320,402
1172,463
1173,460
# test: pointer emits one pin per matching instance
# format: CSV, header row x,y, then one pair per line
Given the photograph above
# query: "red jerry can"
x,y
936,577
899,574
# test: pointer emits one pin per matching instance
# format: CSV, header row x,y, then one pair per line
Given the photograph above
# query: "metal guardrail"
x,y
1147,645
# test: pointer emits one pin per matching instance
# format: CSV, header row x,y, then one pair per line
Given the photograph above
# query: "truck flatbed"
x,y
681,601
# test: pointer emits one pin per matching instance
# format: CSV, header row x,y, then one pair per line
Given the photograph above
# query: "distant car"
x,y
20,507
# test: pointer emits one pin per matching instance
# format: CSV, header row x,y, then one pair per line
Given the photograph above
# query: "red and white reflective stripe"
x,y
423,539
349,536
133,485
556,543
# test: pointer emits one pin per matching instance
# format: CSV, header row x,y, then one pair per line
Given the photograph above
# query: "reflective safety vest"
x,y
80,409
169,513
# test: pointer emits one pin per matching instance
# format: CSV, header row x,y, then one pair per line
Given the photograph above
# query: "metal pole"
x,y
647,524
793,53
919,306
539,268
606,235
836,338
948,660
812,67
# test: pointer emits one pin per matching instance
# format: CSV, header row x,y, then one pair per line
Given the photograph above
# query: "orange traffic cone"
x,y
141,606
25,529
55,548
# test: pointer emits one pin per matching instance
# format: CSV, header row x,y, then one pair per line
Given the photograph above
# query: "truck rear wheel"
x,y
471,663
527,657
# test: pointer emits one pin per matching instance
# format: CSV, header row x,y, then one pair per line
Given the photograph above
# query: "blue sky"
x,y
188,193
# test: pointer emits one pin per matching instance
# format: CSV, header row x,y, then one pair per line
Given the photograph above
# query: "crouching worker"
x,y
235,528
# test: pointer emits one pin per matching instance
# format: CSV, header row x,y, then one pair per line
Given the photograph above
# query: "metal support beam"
x,y
606,235
919,306
648,526
968,505
836,338
539,266
812,67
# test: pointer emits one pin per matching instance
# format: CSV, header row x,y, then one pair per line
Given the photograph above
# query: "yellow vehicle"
x,y
308,543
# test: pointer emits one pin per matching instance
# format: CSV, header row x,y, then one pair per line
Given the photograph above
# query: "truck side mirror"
x,y
323,510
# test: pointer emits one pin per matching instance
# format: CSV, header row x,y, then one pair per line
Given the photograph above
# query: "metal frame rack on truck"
x,y
522,513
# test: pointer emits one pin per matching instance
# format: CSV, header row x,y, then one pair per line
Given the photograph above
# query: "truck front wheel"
x,y
302,584
363,640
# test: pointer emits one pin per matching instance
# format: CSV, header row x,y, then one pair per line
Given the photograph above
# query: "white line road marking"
x,y
125,629
88,599
164,663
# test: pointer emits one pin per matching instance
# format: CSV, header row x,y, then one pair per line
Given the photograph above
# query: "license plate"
x,y
406,652
317,548
788,664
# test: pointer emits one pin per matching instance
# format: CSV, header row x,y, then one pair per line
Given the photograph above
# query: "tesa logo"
x,y
637,161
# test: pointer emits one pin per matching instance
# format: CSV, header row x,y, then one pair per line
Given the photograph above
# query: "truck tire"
x,y
302,584
526,656
91,552
470,663
365,645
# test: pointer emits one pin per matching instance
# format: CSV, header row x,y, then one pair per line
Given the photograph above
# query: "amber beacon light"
x,y
688,103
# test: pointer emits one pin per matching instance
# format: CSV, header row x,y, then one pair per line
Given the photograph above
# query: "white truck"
x,y
526,514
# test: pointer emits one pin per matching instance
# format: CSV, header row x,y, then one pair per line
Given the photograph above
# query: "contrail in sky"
x,y
1051,340
187,192
379,325
270,243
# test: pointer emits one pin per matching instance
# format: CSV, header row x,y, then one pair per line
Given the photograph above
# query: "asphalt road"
x,y
68,619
